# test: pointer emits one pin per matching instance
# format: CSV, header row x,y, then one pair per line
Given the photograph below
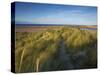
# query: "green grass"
x,y
43,46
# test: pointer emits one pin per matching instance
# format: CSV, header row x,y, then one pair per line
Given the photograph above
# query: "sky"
x,y
37,13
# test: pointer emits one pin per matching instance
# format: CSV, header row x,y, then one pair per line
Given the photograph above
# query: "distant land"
x,y
38,27
53,25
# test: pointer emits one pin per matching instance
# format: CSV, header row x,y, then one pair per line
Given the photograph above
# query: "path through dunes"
x,y
64,57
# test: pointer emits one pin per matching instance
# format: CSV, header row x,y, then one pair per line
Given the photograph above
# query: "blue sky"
x,y
36,13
